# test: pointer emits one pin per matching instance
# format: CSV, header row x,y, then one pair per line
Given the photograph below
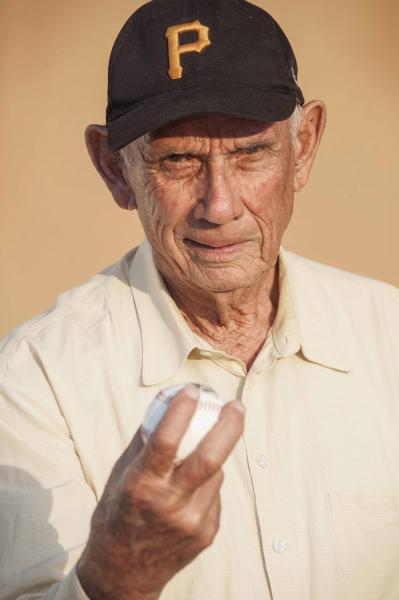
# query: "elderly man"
x,y
209,138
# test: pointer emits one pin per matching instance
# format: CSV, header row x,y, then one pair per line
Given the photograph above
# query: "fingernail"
x,y
239,406
192,391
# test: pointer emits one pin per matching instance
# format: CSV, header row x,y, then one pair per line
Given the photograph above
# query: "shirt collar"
x,y
318,335
301,323
167,340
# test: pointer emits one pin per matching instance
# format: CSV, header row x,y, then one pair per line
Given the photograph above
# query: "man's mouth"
x,y
215,245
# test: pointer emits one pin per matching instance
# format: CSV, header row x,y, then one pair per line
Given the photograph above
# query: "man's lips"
x,y
216,249
214,245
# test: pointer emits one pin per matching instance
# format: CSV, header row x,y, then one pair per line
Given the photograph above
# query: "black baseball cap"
x,y
179,58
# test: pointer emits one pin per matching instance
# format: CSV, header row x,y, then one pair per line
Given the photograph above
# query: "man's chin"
x,y
218,278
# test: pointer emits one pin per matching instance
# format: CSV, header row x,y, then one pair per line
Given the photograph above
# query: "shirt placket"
x,y
269,469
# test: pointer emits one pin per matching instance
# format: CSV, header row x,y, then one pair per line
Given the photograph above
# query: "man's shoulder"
x,y
82,312
360,313
329,278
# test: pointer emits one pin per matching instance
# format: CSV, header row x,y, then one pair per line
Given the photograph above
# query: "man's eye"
x,y
180,165
251,149
176,158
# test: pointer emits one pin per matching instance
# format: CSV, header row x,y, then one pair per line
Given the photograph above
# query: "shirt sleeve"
x,y
45,501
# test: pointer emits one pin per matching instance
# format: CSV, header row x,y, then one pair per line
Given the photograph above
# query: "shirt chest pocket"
x,y
366,527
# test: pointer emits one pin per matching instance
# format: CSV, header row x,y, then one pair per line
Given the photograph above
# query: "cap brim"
x,y
230,99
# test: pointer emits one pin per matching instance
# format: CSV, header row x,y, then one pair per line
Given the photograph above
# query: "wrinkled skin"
x,y
217,182
154,518
214,195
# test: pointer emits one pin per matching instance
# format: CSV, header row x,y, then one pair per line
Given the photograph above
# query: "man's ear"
x,y
307,141
109,165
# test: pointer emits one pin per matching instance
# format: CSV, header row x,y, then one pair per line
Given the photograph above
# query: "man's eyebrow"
x,y
159,153
261,143
152,152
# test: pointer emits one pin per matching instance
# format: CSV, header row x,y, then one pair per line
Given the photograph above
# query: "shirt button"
x,y
279,545
250,383
262,461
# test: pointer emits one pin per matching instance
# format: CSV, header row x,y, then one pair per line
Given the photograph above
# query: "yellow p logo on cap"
x,y
175,49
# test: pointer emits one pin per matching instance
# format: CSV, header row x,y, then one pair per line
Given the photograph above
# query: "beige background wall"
x,y
58,225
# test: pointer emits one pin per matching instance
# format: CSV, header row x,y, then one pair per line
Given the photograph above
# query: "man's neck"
x,y
236,322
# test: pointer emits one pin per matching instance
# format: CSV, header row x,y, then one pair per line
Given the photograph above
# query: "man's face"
x,y
214,195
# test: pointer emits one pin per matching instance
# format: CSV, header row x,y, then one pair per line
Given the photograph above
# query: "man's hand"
x,y
154,518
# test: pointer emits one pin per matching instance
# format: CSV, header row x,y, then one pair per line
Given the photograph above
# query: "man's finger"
x,y
213,450
201,509
205,496
161,449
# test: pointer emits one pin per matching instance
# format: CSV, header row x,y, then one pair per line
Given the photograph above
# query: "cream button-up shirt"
x,y
310,500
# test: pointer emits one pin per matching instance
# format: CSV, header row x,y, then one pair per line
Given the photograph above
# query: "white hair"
x,y
295,121
126,156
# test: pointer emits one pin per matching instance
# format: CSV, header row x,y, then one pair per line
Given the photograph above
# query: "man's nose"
x,y
219,200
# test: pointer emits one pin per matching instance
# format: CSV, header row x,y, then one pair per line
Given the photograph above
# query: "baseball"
x,y
204,418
